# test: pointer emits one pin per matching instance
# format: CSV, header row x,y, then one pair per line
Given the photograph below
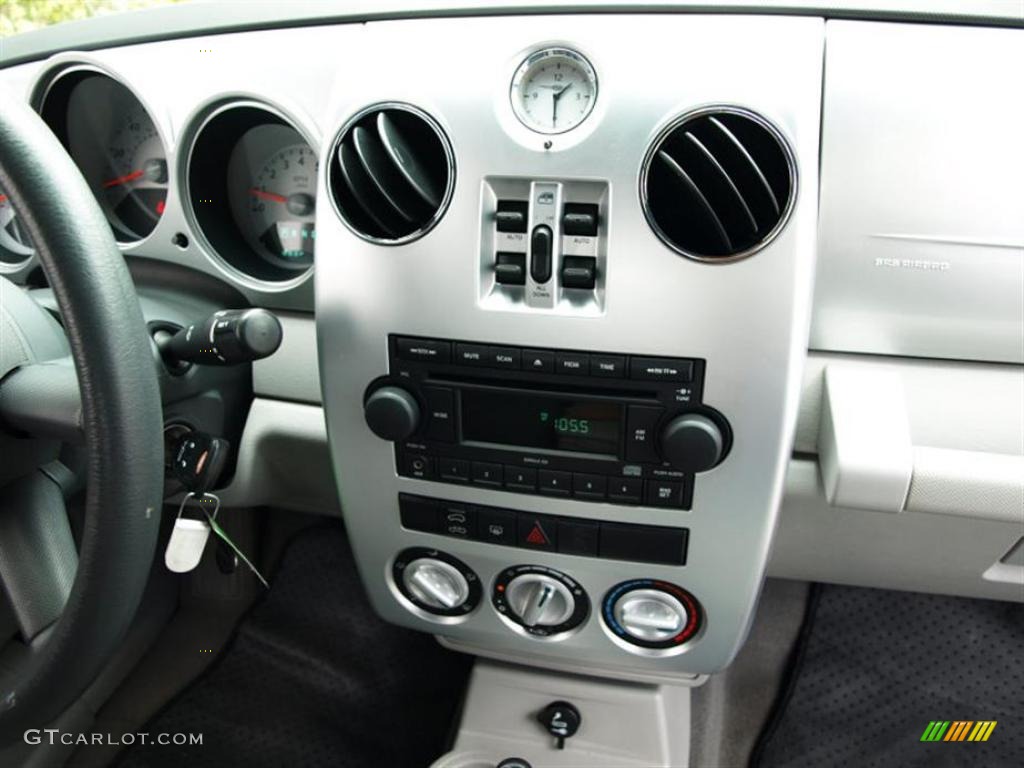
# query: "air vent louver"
x,y
391,174
718,185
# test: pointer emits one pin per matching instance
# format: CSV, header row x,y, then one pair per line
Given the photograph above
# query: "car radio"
x,y
601,427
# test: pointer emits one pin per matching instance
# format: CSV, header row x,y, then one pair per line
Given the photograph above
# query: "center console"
x,y
561,361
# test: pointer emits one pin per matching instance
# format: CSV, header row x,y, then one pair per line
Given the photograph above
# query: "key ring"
x,y
201,498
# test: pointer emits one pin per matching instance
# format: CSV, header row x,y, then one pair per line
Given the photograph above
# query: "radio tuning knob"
x,y
392,413
692,442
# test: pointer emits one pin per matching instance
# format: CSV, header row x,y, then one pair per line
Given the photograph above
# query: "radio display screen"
x,y
547,422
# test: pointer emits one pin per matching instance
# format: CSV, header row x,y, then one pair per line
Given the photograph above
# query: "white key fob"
x,y
186,545
188,539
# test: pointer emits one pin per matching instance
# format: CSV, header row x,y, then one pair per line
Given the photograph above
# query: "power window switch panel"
x,y
510,268
579,219
511,215
579,272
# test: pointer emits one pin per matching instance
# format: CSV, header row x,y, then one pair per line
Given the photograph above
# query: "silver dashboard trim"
x,y
657,304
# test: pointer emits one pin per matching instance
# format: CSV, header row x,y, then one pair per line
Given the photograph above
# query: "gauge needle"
x,y
268,195
123,179
555,96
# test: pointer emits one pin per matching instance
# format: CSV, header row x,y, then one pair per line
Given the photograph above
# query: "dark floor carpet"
x,y
873,668
314,678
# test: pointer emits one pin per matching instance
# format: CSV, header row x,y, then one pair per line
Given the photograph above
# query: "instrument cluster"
x,y
247,176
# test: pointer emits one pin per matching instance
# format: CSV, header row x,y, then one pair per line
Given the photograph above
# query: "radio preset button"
x,y
471,354
609,366
661,369
424,350
441,413
521,479
625,490
484,473
496,526
664,493
539,360
554,483
503,357
586,486
573,363
642,434
453,470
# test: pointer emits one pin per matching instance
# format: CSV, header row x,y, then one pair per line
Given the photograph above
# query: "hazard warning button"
x,y
537,532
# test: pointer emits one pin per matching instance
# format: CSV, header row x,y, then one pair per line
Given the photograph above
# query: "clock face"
x,y
554,90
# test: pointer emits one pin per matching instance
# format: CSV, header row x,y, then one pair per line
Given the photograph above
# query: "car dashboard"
x,y
592,320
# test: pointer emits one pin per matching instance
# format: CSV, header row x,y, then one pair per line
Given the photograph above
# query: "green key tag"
x,y
223,536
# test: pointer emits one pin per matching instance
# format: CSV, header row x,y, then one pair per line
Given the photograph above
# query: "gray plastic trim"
x,y
221,16
624,725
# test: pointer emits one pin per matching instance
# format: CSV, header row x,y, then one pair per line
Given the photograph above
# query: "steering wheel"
x,y
70,619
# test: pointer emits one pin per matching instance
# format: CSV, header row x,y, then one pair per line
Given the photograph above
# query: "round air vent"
x,y
717,185
391,174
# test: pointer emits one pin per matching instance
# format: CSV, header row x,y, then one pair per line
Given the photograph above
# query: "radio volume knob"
x,y
692,442
392,413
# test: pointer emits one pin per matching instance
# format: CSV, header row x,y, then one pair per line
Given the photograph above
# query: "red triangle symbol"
x,y
537,535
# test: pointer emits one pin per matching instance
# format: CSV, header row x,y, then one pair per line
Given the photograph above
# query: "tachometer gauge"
x,y
135,192
15,244
554,90
115,144
272,191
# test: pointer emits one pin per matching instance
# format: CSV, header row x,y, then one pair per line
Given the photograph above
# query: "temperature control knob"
x,y
692,442
541,601
436,582
392,413
651,614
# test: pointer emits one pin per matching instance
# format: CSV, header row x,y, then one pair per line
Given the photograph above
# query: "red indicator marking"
x,y
123,179
501,587
160,207
268,195
3,198
537,536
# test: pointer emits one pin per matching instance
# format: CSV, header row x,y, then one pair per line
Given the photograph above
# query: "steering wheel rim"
x,y
121,423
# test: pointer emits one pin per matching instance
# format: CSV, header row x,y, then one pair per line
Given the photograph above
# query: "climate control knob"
x,y
436,582
651,614
541,601
692,442
392,413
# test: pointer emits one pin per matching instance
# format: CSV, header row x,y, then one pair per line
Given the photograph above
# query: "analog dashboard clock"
x,y
554,90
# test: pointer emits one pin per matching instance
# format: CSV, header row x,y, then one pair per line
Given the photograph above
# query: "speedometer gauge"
x,y
272,192
554,90
282,204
